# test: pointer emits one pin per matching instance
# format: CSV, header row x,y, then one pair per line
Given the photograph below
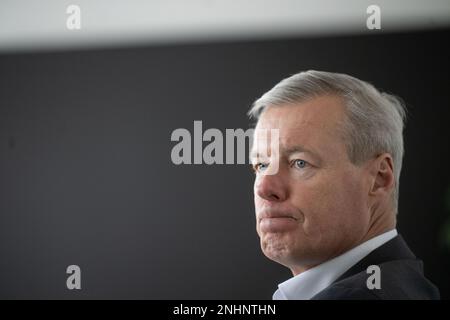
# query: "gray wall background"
x,y
86,176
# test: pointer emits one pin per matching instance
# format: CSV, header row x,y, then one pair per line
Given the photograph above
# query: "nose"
x,y
271,187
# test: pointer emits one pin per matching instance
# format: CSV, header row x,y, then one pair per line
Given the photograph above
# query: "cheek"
x,y
330,204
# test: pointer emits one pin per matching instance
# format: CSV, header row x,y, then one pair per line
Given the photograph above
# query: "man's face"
x,y
315,207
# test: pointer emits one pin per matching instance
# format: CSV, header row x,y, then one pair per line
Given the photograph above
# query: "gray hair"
x,y
374,120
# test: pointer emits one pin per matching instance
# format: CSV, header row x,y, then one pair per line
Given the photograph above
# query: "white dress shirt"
x,y
307,284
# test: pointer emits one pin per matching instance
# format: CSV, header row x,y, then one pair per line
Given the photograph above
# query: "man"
x,y
328,210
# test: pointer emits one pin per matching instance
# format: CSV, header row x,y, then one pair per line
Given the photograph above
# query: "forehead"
x,y
315,123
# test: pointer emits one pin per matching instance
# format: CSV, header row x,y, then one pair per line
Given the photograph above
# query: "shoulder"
x,y
399,279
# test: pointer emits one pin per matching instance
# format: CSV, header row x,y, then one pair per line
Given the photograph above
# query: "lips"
x,y
277,221
273,214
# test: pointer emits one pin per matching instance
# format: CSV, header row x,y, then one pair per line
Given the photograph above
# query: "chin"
x,y
276,247
285,251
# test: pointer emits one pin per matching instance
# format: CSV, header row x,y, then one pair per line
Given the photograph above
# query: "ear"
x,y
382,171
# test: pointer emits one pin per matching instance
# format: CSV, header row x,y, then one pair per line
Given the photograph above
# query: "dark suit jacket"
x,y
401,277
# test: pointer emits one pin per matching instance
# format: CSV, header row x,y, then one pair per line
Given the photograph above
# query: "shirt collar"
x,y
309,283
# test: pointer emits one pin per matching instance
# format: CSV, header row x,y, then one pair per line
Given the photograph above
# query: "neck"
x,y
382,219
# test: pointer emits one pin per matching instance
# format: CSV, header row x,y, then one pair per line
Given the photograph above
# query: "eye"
x,y
300,164
260,167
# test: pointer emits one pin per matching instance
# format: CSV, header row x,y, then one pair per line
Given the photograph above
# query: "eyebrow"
x,y
289,151
297,149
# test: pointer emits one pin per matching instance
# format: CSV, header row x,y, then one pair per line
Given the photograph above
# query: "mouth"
x,y
277,222
276,215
